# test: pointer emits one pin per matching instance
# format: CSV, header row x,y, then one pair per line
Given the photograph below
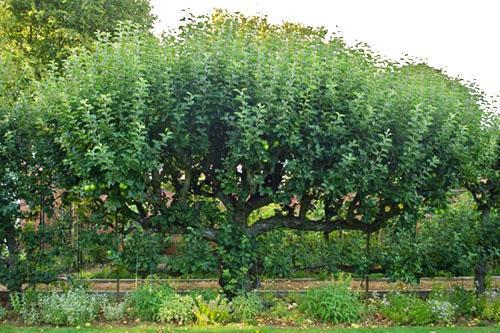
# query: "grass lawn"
x,y
154,329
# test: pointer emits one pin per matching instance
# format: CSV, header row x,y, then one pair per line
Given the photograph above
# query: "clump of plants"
x,y
145,302
74,307
490,307
113,311
334,303
406,309
443,311
177,310
246,307
216,311
466,301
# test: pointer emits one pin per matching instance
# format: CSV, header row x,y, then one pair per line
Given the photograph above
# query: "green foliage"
x,y
142,251
145,302
334,303
177,310
246,307
216,311
465,301
407,309
449,238
206,294
114,311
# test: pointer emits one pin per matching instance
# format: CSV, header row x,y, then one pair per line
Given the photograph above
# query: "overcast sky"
x,y
459,36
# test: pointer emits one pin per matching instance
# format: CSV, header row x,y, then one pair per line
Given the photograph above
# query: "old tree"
x,y
232,114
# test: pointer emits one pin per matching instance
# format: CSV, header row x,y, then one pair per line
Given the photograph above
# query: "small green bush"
x,y
490,307
145,302
114,311
246,307
406,309
177,310
334,303
216,311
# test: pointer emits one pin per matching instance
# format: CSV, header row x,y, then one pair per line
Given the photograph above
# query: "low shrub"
x,y
333,303
145,302
246,307
216,311
406,309
114,311
177,310
74,307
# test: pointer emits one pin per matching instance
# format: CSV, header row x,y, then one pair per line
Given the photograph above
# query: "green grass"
x,y
154,329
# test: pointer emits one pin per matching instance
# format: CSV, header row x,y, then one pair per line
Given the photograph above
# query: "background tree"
x,y
49,30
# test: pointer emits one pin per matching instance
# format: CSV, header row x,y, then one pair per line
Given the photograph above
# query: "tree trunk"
x,y
481,267
238,268
14,280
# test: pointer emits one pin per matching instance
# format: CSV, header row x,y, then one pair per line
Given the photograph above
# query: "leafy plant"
x,y
25,305
465,301
145,302
490,307
178,310
114,311
3,313
334,303
216,311
406,309
246,307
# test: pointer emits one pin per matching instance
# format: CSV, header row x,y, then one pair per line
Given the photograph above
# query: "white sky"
x,y
461,36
